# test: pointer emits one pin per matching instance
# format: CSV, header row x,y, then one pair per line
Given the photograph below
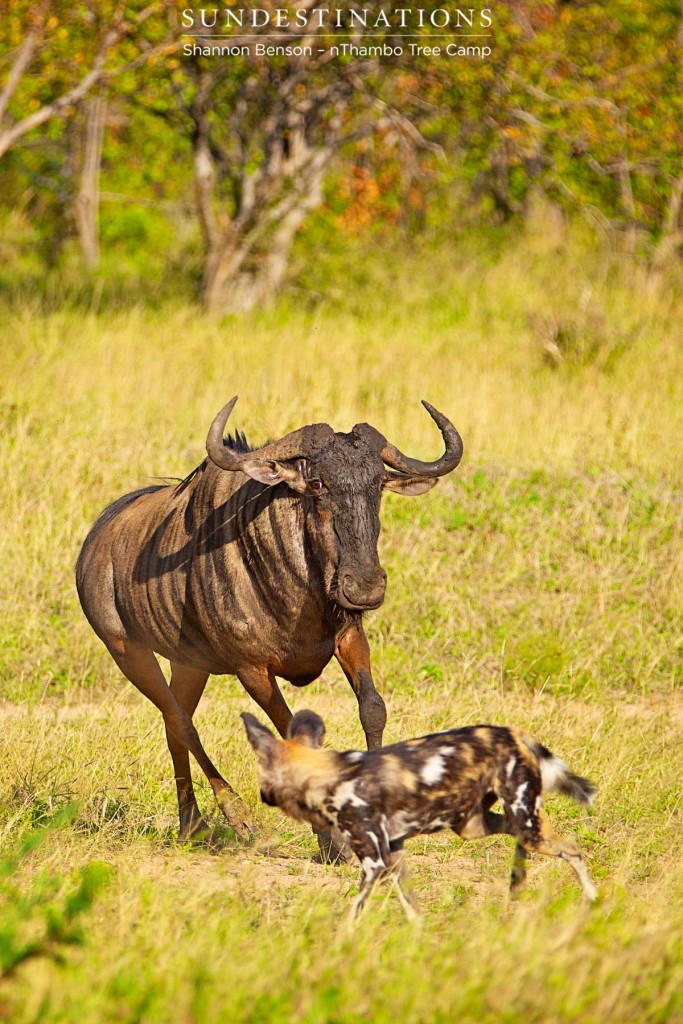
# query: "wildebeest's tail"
x,y
556,777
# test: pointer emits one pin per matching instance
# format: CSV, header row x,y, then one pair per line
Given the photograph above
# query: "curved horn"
x,y
221,456
298,444
446,464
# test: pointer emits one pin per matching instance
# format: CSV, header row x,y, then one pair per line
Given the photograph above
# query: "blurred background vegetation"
x,y
130,170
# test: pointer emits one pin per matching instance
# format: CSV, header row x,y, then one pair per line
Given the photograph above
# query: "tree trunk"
x,y
672,234
226,286
87,204
629,205
237,280
247,261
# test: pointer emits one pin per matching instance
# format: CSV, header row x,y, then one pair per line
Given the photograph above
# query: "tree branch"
x,y
21,62
118,28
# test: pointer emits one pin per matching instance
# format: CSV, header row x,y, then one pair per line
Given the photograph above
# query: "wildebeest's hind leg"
x,y
139,664
353,654
187,685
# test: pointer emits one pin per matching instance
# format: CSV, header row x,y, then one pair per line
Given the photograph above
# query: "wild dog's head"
x,y
308,729
294,774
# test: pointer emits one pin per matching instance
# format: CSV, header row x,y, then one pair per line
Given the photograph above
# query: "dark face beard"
x,y
339,616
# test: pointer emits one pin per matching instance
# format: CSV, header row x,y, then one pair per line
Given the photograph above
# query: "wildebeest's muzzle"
x,y
360,590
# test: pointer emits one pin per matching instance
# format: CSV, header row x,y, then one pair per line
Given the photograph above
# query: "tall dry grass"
x,y
540,585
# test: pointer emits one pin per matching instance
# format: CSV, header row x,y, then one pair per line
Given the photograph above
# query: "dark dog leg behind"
x,y
399,877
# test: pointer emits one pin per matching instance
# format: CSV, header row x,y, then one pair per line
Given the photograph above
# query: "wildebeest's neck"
x,y
222,548
215,509
282,537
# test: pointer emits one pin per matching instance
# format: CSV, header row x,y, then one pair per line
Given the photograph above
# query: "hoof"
x,y
237,816
244,830
333,848
198,831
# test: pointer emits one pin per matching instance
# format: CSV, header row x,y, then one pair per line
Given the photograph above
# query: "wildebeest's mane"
x,y
236,442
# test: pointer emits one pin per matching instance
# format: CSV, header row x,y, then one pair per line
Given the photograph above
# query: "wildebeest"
x,y
259,564
448,779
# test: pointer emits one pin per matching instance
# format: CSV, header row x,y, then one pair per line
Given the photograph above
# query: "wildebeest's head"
x,y
343,475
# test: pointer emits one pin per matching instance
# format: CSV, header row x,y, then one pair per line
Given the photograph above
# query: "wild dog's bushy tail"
x,y
556,777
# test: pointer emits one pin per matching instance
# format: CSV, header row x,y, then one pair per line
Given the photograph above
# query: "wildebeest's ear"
x,y
267,471
261,739
408,485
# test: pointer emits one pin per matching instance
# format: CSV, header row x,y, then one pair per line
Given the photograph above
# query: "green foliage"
x,y
43,918
582,103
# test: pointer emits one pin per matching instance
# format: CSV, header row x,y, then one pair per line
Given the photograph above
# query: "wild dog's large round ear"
x,y
307,728
261,739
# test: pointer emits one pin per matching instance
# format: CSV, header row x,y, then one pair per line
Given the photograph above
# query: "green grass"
x,y
537,586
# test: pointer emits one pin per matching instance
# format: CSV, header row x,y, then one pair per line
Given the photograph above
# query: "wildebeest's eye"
x,y
316,486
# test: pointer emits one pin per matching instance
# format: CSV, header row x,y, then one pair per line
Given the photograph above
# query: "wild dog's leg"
x,y
554,845
140,666
483,822
353,654
370,844
399,877
187,684
576,861
536,835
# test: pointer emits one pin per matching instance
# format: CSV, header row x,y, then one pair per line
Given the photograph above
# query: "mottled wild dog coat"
x,y
448,779
261,564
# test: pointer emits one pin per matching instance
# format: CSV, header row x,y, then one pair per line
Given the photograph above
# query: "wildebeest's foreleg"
x,y
353,654
262,686
187,685
140,666
518,873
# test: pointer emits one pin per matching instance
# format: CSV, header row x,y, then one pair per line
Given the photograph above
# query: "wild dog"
x,y
451,779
